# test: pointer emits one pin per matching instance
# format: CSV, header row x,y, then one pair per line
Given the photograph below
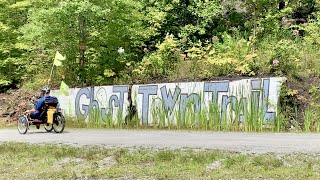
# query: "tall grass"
x,y
211,116
98,119
307,120
311,119
245,115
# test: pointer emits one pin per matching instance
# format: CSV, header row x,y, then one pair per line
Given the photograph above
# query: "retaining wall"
x,y
169,102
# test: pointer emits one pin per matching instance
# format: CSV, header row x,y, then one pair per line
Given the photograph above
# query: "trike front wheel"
x,y
48,127
23,124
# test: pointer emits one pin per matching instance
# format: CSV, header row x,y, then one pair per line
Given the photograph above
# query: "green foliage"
x,y
311,114
125,41
288,105
236,51
13,59
183,19
160,62
107,27
311,120
160,39
285,53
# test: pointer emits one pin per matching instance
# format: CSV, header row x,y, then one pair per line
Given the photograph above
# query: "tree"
x,y
108,26
13,61
186,19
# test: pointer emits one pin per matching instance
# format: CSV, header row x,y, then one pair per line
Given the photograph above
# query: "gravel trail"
x,y
280,143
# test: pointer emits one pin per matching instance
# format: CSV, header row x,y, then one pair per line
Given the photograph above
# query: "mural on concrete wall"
x,y
108,101
178,101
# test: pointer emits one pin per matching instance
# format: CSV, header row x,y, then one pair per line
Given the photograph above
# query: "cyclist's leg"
x,y
34,115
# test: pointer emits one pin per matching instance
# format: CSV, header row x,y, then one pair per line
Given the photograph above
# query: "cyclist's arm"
x,y
31,110
38,106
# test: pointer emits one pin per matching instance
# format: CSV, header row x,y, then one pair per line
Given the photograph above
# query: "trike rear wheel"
x,y
59,123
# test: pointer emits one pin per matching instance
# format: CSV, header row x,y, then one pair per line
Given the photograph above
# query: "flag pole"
x,y
49,81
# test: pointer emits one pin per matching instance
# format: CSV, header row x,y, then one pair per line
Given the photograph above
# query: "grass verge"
x,y
26,161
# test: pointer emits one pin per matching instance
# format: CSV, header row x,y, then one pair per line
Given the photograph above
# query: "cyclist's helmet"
x,y
45,90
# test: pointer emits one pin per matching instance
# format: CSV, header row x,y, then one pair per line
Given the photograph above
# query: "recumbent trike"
x,y
51,118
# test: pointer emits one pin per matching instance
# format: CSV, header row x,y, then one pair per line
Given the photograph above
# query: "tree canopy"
x,y
124,41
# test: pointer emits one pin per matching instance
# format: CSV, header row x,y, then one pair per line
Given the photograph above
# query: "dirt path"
x,y
243,142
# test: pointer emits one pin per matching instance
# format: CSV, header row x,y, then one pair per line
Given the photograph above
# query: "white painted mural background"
x,y
146,97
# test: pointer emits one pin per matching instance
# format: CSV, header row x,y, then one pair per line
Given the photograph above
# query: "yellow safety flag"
x,y
64,89
58,58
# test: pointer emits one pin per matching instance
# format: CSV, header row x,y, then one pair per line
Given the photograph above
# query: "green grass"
x,y
204,124
208,118
26,161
